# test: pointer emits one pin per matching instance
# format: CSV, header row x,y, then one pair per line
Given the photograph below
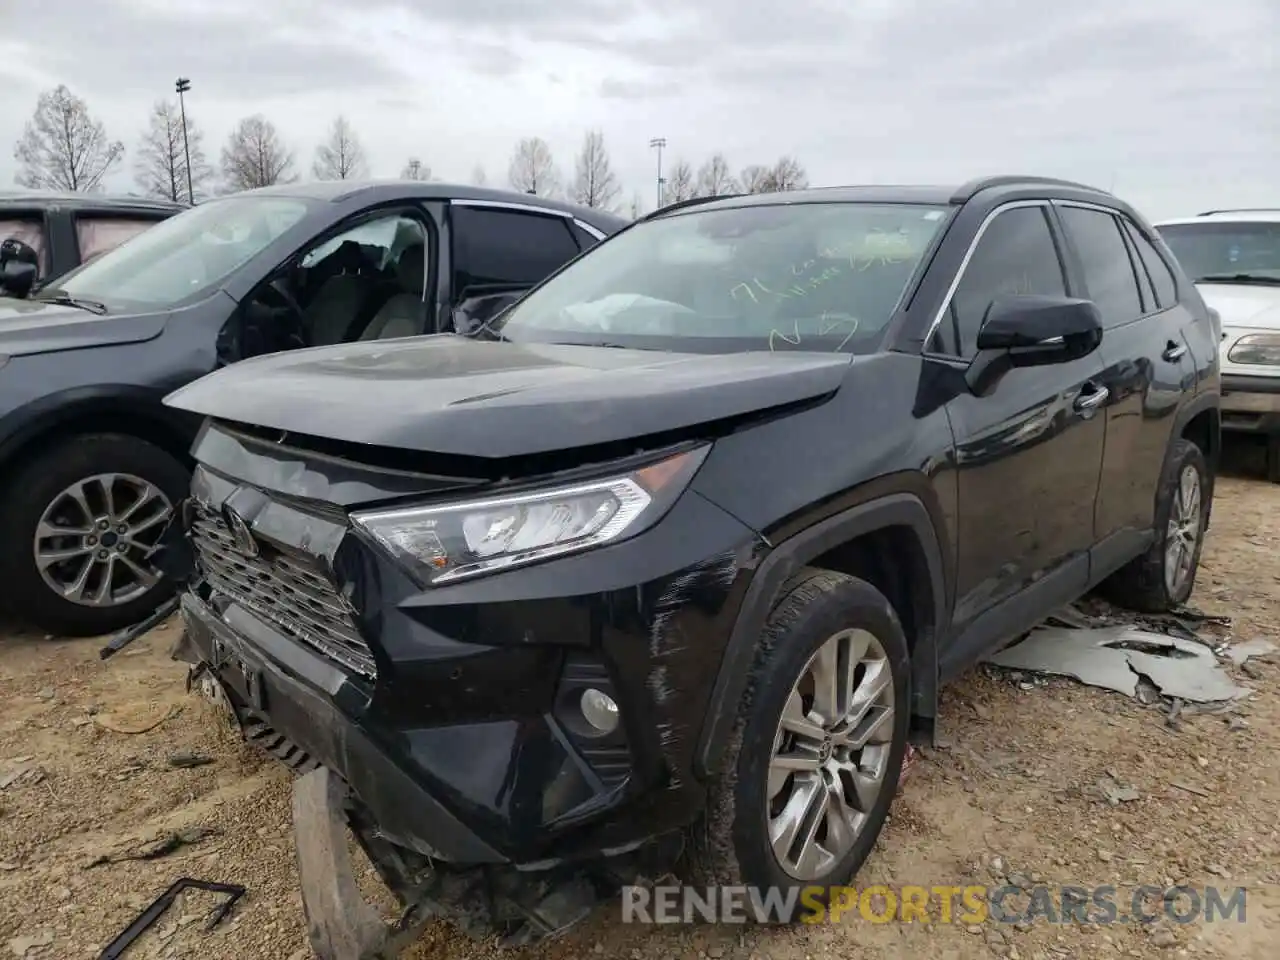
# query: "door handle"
x,y
1091,401
1173,352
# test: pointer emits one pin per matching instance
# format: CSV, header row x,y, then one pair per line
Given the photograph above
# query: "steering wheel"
x,y
295,332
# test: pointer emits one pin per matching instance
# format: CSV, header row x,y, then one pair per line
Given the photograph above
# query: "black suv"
x,y
91,463
666,563
44,235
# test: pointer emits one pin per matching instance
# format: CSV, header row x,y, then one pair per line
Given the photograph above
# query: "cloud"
x,y
1170,101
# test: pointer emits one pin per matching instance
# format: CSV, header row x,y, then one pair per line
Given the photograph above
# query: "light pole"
x,y
182,86
659,143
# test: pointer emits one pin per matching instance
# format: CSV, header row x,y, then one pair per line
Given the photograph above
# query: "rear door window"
x,y
30,230
1161,276
507,247
97,235
1104,257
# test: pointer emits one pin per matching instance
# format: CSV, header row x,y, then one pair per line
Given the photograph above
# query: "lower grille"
x,y
289,592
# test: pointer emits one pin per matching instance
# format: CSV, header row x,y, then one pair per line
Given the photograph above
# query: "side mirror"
x,y
19,265
477,307
1032,331
17,278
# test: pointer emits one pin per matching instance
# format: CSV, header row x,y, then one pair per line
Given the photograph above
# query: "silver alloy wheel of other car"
x,y
1184,529
94,541
830,753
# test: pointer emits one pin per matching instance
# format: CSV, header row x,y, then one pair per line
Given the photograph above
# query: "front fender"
x,y
783,562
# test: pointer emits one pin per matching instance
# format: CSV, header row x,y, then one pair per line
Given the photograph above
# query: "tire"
x,y
1272,458
40,482
730,844
1142,585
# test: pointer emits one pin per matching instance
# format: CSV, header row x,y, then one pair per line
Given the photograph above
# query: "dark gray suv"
x,y
91,464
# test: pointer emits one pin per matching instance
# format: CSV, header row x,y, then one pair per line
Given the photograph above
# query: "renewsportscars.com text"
x,y
972,904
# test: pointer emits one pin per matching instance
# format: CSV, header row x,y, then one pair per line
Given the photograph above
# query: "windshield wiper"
x,y
67,300
1239,278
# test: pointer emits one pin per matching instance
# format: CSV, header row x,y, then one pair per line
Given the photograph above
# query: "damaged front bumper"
x,y
455,714
268,678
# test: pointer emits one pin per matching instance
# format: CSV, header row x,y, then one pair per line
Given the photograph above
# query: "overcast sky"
x,y
1173,103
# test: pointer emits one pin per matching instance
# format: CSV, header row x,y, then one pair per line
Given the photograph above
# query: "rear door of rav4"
x,y
1149,367
1028,452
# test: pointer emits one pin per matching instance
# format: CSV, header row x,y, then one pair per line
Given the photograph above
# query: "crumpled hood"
x,y
1241,305
452,395
32,326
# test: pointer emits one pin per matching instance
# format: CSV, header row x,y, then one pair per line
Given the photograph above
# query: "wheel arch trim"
x,y
52,411
783,562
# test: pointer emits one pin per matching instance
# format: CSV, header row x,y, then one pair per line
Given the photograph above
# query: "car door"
x,y
1027,453
1148,369
498,251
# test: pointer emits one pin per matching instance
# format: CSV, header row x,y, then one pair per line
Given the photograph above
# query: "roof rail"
x,y
1211,213
966,191
691,202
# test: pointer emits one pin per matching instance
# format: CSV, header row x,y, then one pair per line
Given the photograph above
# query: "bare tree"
x,y
255,156
594,182
756,179
415,169
341,157
63,147
160,162
637,206
787,174
681,184
478,177
533,168
714,178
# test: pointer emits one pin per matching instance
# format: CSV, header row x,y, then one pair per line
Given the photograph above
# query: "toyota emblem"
x,y
240,533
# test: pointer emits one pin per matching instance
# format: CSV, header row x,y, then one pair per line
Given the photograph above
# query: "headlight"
x,y
441,544
1256,348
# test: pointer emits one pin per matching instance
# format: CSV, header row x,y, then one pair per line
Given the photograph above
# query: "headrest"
x,y
411,268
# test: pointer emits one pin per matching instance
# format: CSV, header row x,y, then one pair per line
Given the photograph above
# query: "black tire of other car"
x,y
33,490
1144,584
731,844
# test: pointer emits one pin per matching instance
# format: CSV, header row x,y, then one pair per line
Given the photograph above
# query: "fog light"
x,y
599,710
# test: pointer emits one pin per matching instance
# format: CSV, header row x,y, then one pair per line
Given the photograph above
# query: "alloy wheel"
x,y
94,542
1184,530
830,754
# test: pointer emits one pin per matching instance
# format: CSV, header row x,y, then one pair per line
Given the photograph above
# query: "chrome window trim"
x,y
964,265
528,208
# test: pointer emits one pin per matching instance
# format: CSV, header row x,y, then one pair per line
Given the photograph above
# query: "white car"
x,y
1233,256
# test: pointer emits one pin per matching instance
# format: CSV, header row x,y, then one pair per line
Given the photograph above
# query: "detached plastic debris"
x,y
1238,653
1115,658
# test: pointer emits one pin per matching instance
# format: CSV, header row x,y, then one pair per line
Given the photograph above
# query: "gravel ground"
x,y
1010,793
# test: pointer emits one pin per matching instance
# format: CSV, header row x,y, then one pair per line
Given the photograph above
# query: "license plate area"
x,y
241,674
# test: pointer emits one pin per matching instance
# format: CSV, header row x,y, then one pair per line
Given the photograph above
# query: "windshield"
x,y
786,276
185,256
1240,250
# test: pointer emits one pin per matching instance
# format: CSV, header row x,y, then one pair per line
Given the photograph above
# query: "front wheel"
x,y
818,746
78,527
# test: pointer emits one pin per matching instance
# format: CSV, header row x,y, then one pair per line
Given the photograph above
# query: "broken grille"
x,y
290,593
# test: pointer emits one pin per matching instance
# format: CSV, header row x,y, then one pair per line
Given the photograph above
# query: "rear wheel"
x,y
818,746
78,525
1164,576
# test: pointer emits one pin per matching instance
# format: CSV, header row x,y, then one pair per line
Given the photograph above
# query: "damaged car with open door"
x,y
91,463
662,567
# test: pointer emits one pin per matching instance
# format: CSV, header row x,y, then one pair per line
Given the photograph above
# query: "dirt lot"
x,y
1010,793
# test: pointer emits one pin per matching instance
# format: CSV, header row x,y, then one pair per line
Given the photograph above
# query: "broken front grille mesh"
x,y
290,593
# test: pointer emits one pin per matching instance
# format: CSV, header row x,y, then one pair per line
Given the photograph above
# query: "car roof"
x,y
1243,215
102,202
950,195
383,191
